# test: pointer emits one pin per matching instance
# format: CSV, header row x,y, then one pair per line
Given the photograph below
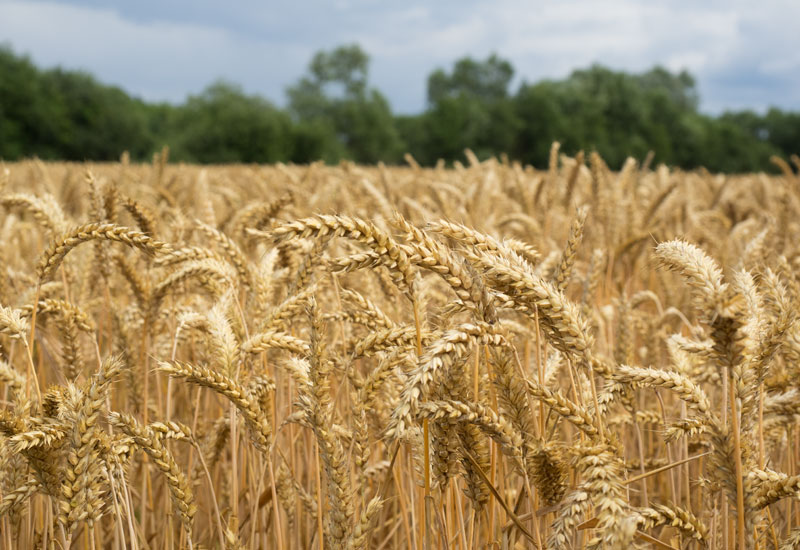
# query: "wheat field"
x,y
349,357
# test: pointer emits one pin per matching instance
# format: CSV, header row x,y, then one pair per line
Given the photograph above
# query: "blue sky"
x,y
744,54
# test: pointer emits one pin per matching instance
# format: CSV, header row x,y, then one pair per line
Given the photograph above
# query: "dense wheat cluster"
x,y
353,357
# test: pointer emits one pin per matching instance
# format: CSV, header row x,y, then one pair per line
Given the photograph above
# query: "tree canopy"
x,y
350,119
486,81
334,113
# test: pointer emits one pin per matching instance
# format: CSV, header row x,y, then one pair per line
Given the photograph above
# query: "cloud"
x,y
744,54
159,60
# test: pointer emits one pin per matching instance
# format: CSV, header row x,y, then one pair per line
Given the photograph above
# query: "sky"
x,y
744,54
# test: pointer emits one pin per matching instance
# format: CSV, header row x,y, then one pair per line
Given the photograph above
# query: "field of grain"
x,y
352,357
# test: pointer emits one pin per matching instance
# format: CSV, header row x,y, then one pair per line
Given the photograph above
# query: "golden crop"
x,y
354,357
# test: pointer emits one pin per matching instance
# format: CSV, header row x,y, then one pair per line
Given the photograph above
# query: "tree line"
x,y
333,113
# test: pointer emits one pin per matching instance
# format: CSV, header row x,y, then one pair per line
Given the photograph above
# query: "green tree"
x,y
487,81
783,131
333,114
542,121
59,114
468,107
339,115
31,119
619,115
223,124
779,128
100,121
680,88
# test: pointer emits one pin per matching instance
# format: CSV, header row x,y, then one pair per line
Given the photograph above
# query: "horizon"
x,y
742,59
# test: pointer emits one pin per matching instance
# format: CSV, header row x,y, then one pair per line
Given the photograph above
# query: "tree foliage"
x,y
223,124
486,81
333,113
66,114
352,120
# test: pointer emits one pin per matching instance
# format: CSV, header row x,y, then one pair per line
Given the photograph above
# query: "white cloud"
x,y
743,53
158,60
